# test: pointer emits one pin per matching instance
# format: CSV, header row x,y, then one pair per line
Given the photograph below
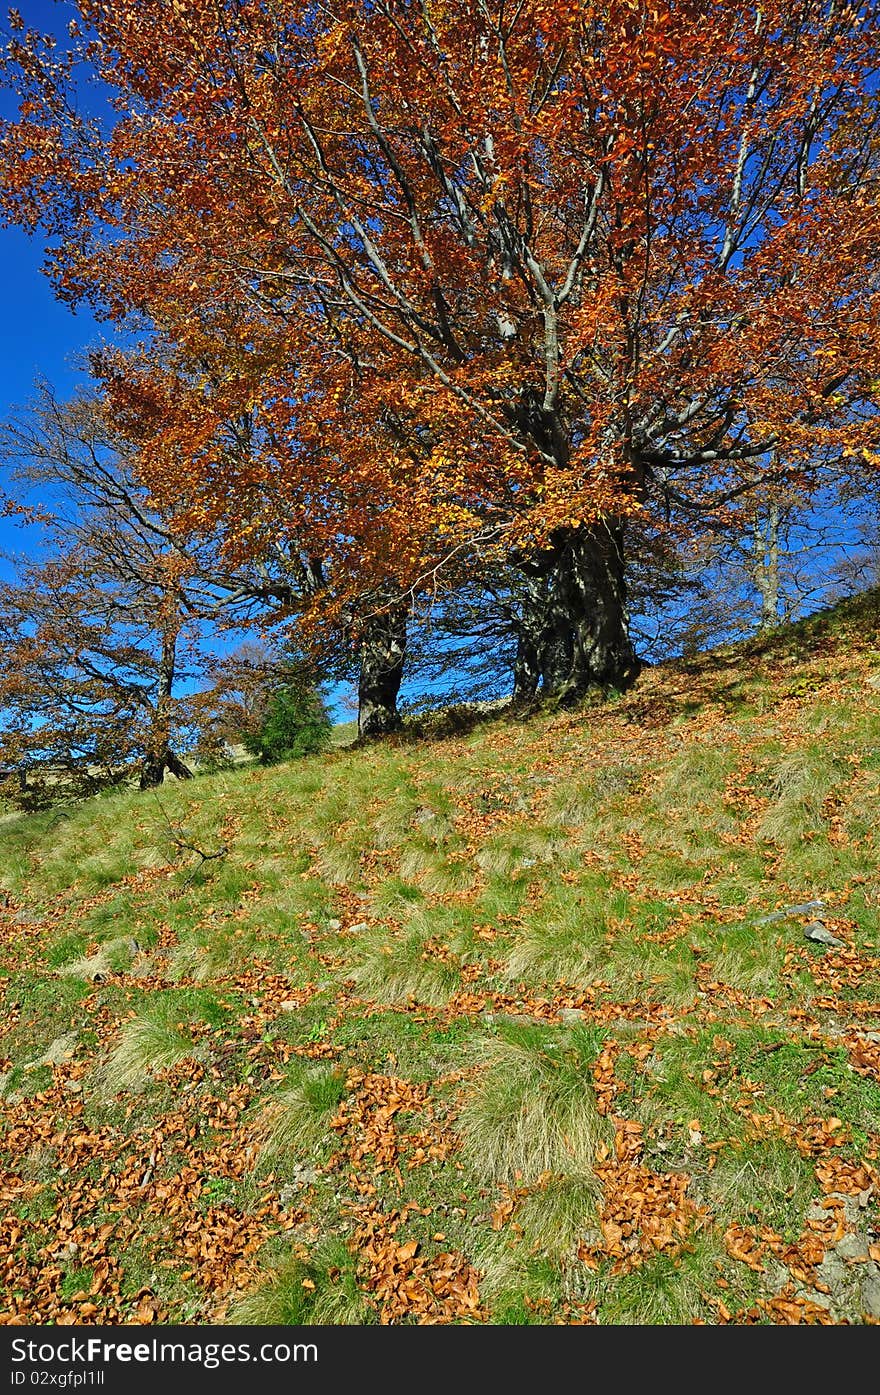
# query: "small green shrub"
x,y
296,723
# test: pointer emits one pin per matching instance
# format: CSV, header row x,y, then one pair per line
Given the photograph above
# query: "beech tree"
x,y
505,276
100,631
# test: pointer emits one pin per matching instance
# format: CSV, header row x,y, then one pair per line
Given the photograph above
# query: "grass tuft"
x,y
149,1042
533,1110
295,1122
409,968
320,1290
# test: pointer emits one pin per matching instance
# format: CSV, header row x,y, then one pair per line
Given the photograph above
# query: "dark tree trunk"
x,y
160,756
382,654
526,671
154,765
575,614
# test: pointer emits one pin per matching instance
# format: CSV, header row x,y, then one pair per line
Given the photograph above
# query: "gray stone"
x,y
870,1287
812,1295
359,928
27,918
302,1177
334,924
60,1050
852,1247
816,932
571,1015
786,911
833,1272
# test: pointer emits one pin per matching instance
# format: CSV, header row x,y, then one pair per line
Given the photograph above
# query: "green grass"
x,y
294,1123
319,1289
533,1110
432,993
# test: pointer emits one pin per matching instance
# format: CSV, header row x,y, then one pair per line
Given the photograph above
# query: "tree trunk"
x,y
526,671
766,566
154,765
575,614
159,757
382,653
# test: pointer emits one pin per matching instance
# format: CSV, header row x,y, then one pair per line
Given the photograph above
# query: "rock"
x,y
816,932
833,1272
27,918
72,1087
777,1275
786,911
288,1005
870,1289
359,928
873,680
304,1176
61,1049
812,1295
852,1248
334,924
571,1015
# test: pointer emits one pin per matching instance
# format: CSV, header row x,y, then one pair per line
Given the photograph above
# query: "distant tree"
x,y
296,723
265,699
104,632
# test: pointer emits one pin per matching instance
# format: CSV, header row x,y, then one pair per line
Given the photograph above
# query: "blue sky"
x,y
39,337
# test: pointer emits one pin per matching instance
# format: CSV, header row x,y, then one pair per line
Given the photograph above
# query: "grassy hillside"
x,y
520,1026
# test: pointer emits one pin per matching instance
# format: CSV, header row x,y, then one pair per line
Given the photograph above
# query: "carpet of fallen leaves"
x,y
85,1197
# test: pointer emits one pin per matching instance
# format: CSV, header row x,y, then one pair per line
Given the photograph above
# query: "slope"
x,y
573,1019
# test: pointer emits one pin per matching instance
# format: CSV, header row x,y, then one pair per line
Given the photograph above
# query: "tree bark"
x,y
382,652
575,614
526,671
766,566
154,765
159,757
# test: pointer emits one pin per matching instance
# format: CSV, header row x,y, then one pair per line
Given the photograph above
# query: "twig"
x,y
182,845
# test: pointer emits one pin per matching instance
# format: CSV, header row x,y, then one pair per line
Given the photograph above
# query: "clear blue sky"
x,y
38,336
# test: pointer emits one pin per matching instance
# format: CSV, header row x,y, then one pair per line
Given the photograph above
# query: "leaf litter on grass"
x,y
681,822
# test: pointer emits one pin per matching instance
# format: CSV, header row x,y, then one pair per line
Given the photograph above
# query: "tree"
x,y
265,699
101,639
296,723
515,276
